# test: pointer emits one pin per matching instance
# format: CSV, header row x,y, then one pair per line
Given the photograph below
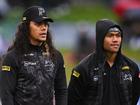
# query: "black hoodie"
x,y
86,84
102,27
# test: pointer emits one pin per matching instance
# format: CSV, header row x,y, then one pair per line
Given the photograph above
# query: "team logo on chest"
x,y
126,75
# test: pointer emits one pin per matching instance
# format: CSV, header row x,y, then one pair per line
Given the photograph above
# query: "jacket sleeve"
x,y
77,86
7,81
60,84
136,85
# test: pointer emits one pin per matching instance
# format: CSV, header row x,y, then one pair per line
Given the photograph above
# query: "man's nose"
x,y
114,37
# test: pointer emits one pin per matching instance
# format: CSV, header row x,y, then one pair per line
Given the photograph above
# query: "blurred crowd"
x,y
128,12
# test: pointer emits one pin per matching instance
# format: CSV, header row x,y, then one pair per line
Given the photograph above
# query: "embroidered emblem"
x,y
6,68
127,77
95,78
76,74
125,68
41,11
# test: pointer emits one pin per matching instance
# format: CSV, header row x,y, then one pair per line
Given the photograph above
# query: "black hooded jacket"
x,y
87,82
33,79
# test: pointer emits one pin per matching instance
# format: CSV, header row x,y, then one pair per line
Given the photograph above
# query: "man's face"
x,y
112,42
38,32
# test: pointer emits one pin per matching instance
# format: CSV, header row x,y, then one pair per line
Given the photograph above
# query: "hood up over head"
x,y
102,27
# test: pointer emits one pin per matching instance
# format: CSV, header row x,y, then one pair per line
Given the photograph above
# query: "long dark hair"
x,y
22,42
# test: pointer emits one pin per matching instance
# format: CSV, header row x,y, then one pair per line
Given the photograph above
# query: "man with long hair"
x,y
33,70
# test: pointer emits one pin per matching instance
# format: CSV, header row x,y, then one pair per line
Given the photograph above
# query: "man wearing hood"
x,y
106,76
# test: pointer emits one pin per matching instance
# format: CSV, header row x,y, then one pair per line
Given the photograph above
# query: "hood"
x,y
102,27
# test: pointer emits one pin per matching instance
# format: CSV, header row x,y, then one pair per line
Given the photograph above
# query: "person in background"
x,y
84,45
106,76
32,71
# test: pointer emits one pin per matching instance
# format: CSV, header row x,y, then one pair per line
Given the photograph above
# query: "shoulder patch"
x,y
6,68
125,68
76,74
